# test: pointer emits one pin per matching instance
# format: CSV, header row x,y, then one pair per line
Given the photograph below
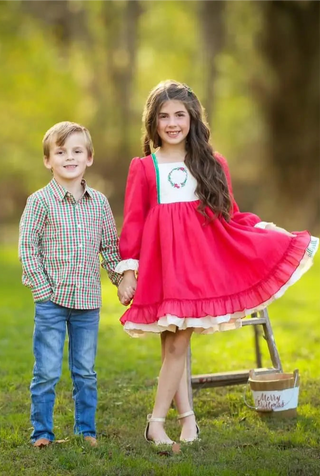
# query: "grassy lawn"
x,y
234,439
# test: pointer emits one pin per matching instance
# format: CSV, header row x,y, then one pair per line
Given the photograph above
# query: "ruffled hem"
x,y
223,313
201,325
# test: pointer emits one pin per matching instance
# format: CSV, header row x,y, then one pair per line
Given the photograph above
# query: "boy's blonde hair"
x,y
59,134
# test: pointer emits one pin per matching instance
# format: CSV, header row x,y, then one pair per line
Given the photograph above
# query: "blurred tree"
x,y
121,21
291,104
106,35
65,19
33,78
212,26
94,63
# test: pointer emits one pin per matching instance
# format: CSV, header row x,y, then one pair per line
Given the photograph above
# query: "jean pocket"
x,y
38,303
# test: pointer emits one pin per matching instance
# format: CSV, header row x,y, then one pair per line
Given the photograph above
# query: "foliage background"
x,y
254,65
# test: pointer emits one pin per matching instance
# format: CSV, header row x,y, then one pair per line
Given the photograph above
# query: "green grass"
x,y
234,439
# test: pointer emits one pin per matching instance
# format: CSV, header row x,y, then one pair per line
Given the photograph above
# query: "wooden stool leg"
x,y
257,333
268,335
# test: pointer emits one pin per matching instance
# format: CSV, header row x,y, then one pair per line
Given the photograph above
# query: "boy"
x,y
63,229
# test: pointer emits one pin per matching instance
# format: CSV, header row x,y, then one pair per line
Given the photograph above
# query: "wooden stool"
x,y
241,376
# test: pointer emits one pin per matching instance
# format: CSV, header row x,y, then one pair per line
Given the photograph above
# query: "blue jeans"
x,y
51,321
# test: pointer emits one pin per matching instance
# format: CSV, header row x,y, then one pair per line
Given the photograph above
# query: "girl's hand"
x,y
127,287
272,226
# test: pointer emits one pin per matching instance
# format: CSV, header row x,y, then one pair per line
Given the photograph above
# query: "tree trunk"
x,y
66,20
110,56
213,38
121,24
290,44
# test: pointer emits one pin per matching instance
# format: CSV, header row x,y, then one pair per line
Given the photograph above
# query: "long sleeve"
x,y
109,248
135,211
243,218
31,228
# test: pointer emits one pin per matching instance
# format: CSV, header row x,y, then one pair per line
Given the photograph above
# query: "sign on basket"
x,y
275,393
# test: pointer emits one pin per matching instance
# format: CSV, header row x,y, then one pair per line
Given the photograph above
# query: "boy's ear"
x,y
90,160
46,162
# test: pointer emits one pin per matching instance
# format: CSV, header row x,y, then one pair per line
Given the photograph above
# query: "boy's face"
x,y
69,161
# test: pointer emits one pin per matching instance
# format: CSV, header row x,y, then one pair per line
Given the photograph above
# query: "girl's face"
x,y
173,123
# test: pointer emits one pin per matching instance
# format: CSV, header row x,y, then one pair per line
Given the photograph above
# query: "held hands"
x,y
127,287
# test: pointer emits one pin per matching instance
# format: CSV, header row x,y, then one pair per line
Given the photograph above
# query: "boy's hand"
x,y
127,287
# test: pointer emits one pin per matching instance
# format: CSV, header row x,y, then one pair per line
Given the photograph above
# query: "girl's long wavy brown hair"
x,y
212,188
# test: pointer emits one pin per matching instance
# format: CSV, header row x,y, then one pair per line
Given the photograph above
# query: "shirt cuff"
x,y
41,294
127,264
115,278
263,224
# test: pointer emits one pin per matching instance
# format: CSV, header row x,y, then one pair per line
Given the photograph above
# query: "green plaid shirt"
x,y
60,242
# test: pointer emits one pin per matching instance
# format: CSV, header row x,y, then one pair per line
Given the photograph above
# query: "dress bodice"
x,y
174,182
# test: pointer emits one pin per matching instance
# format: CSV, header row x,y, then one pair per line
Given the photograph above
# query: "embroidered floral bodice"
x,y
175,183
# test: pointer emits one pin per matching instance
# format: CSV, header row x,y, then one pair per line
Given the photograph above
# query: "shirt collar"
x,y
60,192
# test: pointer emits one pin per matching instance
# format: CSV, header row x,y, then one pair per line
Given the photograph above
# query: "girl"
x,y
203,265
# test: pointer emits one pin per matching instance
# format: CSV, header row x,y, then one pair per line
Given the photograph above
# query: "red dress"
x,y
193,273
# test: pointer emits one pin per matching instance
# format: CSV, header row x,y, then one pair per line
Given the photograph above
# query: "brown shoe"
x,y
91,440
42,442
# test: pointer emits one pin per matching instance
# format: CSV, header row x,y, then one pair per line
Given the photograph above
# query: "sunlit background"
x,y
254,66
